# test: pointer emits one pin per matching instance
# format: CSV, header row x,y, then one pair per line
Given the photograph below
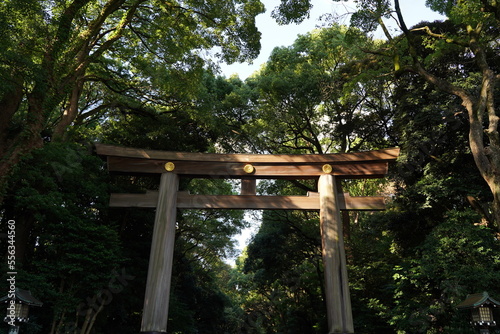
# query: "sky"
x,y
274,35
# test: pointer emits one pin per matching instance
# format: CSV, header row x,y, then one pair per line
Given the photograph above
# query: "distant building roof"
x,y
24,296
477,300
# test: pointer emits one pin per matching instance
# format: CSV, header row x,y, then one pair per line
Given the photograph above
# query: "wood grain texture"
x,y
187,201
368,169
156,300
338,300
376,155
248,186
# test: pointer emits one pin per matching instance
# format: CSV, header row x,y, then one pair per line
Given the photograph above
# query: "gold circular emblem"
x,y
249,169
169,166
327,169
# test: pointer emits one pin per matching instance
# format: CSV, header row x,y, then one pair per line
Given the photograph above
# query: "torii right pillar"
x,y
338,300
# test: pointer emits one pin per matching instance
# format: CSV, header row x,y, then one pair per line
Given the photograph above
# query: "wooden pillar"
x,y
155,312
248,186
338,300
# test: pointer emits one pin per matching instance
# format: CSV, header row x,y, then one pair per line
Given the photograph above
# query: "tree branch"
x,y
429,32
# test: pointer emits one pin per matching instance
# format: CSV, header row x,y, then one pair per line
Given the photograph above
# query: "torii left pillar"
x,y
156,299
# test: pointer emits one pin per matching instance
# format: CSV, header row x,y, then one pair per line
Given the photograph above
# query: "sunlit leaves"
x,y
315,93
468,12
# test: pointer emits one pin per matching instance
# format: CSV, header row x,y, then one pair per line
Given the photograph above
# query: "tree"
x,y
316,97
431,202
283,267
473,35
64,62
476,28
68,252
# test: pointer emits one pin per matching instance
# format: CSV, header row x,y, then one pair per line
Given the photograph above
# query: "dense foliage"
x,y
132,73
66,63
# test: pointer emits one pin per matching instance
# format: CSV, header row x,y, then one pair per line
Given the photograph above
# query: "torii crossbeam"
x,y
329,200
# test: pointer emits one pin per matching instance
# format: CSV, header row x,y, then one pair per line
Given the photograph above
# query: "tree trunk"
x,y
9,104
496,204
92,319
70,112
487,159
24,225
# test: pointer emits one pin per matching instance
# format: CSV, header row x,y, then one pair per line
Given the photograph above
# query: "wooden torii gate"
x,y
329,200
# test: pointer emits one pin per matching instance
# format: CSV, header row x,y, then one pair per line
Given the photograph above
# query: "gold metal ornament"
x,y
327,168
249,169
169,166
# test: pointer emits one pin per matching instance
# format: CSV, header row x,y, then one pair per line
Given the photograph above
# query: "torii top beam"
x,y
369,164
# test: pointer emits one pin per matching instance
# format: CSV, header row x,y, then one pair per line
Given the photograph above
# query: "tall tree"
x,y
68,251
315,97
472,33
473,36
55,54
